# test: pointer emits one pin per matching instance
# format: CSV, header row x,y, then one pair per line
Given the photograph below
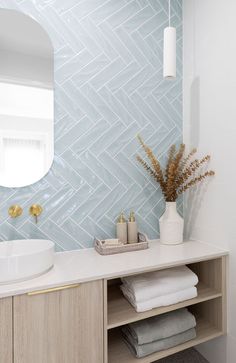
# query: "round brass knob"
x,y
15,211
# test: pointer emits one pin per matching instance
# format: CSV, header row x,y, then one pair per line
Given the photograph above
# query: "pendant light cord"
x,y
169,12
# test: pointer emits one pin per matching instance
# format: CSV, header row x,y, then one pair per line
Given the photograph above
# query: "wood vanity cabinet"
x,y
6,353
59,326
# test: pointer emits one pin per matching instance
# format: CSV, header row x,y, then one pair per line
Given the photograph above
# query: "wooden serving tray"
x,y
129,247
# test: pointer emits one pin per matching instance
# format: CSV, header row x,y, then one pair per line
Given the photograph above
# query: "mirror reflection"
x,y
26,100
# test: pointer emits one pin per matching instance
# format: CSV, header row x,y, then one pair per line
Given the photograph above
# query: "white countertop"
x,y
87,265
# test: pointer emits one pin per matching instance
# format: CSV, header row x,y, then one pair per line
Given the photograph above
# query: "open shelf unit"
x,y
209,308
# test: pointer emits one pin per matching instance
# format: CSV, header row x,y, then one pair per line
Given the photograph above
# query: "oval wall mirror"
x,y
26,100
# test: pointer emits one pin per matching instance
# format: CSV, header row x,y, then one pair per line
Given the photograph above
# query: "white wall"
x,y
210,124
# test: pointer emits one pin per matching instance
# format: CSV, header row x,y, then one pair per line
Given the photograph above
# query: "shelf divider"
x,y
121,312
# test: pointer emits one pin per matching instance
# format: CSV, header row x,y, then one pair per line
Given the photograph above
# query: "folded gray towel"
x,y
162,326
145,349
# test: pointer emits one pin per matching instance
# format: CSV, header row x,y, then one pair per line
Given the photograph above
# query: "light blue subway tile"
x,y
140,17
72,135
133,145
110,71
6,193
63,125
90,137
90,70
85,7
159,208
90,225
108,138
125,202
68,102
132,168
68,173
159,5
160,111
115,105
153,24
143,46
151,84
31,230
98,37
90,203
82,169
120,142
84,238
54,178
77,96
8,232
101,105
131,108
116,170
150,230
59,112
151,201
123,14
111,198
138,79
108,225
72,204
62,56
66,33
166,105
94,164
172,137
130,44
155,47
64,240
72,66
62,6
123,77
178,105
55,202
116,43
107,10
145,109
86,39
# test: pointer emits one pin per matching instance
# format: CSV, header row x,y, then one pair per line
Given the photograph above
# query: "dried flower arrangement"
x,y
180,172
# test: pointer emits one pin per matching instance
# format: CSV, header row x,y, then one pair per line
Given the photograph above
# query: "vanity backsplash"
x,y
108,88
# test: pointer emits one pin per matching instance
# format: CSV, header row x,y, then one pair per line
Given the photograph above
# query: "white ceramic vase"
x,y
171,225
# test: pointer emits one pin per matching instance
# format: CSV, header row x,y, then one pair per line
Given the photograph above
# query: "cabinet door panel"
x,y
61,326
6,346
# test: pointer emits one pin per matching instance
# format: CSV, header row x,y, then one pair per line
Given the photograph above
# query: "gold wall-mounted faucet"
x,y
35,211
15,211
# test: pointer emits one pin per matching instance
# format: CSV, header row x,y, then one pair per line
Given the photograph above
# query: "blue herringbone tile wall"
x,y
108,88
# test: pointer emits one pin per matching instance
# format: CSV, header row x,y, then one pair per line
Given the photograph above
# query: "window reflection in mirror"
x,y
26,100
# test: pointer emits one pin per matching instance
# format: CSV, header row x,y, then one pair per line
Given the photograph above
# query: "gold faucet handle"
x,y
15,211
35,211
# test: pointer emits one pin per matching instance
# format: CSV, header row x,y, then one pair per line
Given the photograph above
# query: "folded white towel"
x,y
153,284
159,301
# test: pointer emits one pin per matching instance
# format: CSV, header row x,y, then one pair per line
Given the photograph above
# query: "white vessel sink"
x,y
25,259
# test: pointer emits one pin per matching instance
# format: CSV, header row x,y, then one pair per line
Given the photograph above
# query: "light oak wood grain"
x,y
60,327
6,355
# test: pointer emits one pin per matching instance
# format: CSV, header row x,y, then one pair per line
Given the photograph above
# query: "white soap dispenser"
x,y
132,229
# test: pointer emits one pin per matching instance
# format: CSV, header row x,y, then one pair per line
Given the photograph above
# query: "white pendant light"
x,y
169,51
